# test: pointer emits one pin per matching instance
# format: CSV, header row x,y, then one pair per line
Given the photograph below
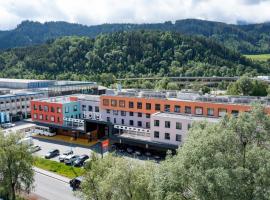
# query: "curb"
x,y
51,175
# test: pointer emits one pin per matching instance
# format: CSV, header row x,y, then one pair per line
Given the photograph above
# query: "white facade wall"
x,y
185,121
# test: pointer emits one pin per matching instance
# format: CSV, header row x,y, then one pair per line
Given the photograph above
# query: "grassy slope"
x,y
259,57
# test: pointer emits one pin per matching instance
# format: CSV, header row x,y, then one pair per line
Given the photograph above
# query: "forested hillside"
x,y
247,39
125,54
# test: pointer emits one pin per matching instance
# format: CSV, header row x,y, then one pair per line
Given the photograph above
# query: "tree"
x,y
228,160
245,85
16,172
114,178
172,86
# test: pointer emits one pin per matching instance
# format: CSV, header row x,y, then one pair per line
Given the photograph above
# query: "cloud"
x,y
91,12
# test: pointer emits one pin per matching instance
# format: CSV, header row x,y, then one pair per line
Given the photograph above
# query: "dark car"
x,y
52,153
80,161
75,183
71,159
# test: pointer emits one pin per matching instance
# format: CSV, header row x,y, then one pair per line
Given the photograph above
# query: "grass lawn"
x,y
58,168
259,57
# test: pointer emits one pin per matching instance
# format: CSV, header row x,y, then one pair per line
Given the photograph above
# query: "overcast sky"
x,y
92,12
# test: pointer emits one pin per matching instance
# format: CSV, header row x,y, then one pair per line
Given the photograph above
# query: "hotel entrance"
x,y
97,129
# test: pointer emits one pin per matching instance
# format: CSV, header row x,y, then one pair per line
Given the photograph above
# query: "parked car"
x,y
52,153
34,149
70,159
49,134
129,150
75,183
7,125
80,161
148,154
138,153
65,154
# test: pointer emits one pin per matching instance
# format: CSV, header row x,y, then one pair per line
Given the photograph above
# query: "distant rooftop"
x,y
60,99
185,116
12,80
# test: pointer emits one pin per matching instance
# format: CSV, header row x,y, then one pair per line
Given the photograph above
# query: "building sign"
x,y
94,116
104,146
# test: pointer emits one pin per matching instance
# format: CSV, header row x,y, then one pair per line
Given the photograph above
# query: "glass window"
x,y
106,102
139,114
167,108
40,116
156,122
157,107
187,109
52,118
90,108
148,106
123,121
222,112
35,116
178,138
115,112
167,124
147,115
139,123
131,113
113,103
35,107
96,109
75,108
52,109
210,111
131,122
40,107
122,103
156,134
58,110
131,104
235,113
177,109
147,124
46,117
139,105
108,111
188,126
66,109
167,136
198,110
108,119
114,120
178,125
123,113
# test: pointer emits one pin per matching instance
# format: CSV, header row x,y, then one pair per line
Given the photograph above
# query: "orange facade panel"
x,y
147,105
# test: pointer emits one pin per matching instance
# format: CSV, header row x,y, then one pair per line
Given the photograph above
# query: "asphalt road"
x,y
48,188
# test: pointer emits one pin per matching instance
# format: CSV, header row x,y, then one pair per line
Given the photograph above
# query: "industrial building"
x,y
25,83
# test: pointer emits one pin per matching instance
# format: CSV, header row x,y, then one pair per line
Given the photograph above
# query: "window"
x,y
58,119
46,118
108,119
139,123
167,124
123,113
114,120
40,107
167,108
147,115
156,122
35,107
198,110
75,108
178,138
156,134
188,126
210,111
131,113
115,112
177,109
66,109
35,116
222,112
139,105
105,102
131,122
58,110
148,106
46,109
157,107
122,103
123,121
41,117
139,114
96,109
90,108
52,109
167,136
113,103
52,118
83,107
235,113
147,124
178,125
187,109
108,111
130,104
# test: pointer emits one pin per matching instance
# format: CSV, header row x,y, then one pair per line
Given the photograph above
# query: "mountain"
x,y
125,54
247,39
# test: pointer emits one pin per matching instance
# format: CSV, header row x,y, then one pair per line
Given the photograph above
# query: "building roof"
x,y
12,80
185,116
60,99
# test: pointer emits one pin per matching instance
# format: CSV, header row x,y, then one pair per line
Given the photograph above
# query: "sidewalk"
x,y
52,175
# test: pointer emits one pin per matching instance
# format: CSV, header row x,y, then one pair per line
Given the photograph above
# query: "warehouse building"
x,y
25,83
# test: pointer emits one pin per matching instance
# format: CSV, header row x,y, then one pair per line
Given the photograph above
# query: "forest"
x,y
126,54
246,39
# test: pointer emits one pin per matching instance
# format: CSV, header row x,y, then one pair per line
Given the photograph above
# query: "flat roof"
x,y
20,94
11,80
185,116
60,99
